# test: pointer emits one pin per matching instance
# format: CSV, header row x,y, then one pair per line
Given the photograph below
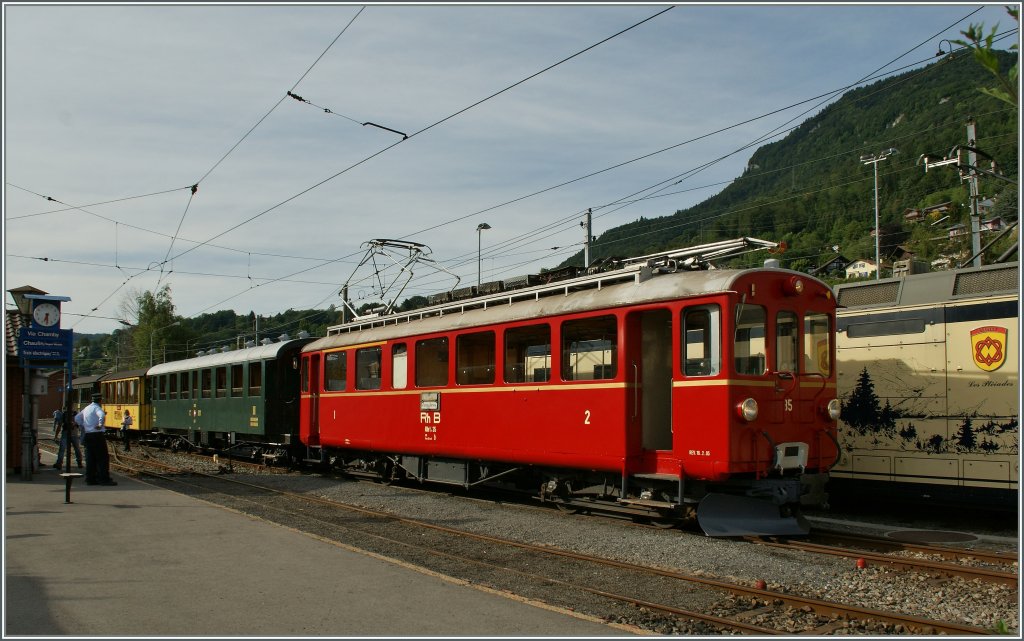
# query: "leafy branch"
x,y
981,47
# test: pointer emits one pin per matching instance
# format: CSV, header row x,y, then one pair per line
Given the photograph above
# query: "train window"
x,y
133,391
255,379
589,349
335,371
184,385
748,343
786,342
195,384
886,328
236,380
432,362
163,387
222,382
528,354
474,358
817,344
399,366
207,383
172,384
702,354
304,375
368,368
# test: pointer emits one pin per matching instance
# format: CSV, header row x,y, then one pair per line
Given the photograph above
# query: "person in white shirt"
x,y
97,459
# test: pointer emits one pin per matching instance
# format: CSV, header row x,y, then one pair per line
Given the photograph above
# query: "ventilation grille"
x,y
873,294
986,282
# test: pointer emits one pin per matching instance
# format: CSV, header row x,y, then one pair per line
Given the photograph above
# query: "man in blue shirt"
x,y
97,459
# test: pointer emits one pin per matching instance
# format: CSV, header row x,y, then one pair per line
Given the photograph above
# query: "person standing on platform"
x,y
126,424
64,434
58,420
97,459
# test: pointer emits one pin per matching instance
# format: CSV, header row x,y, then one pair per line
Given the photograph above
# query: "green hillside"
x,y
811,190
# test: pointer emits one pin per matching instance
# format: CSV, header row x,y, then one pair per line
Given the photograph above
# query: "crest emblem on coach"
x,y
988,347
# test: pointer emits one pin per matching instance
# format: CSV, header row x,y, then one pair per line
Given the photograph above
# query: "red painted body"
x,y
598,424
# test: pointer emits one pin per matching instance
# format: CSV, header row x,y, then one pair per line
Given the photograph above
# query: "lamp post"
x,y
479,232
874,159
152,334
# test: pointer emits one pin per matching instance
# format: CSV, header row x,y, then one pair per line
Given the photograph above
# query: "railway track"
x,y
927,566
513,565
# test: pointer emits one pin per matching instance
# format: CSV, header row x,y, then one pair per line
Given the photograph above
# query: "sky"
x,y
518,116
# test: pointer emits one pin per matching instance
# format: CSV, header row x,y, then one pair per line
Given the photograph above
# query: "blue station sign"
x,y
44,344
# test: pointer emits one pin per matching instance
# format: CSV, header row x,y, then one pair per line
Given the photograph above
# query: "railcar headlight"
x,y
794,286
747,409
833,409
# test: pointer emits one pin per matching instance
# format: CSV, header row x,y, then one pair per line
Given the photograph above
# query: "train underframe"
x,y
738,507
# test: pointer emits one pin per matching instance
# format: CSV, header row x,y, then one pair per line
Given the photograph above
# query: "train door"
x,y
649,374
313,363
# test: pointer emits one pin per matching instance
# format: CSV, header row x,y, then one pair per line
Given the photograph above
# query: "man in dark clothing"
x,y
97,459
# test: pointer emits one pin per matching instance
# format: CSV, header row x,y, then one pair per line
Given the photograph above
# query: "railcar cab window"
x,y
236,380
335,371
255,378
817,344
368,368
304,375
528,354
589,349
749,342
432,362
702,351
474,358
786,342
399,366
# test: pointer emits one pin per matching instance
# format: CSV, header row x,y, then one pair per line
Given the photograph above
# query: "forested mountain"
x,y
811,190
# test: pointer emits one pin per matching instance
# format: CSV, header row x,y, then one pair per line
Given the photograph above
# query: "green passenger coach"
x,y
242,401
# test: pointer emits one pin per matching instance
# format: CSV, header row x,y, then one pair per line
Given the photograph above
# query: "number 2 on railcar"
x,y
651,390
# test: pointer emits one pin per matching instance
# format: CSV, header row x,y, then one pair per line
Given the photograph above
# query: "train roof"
x,y
129,373
616,289
78,381
247,354
932,287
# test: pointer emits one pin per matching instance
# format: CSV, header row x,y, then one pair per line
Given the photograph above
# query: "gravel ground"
x,y
989,606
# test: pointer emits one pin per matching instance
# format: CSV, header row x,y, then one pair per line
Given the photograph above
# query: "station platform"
x,y
135,560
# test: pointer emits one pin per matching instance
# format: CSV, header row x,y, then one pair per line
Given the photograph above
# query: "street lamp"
x,y
152,334
479,232
869,159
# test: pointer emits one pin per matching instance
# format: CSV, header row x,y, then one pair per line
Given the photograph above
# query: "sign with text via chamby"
x,y
44,344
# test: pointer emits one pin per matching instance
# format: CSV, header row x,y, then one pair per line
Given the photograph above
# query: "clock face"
x,y
46,314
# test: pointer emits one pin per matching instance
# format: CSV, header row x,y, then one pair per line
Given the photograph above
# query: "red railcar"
x,y
651,390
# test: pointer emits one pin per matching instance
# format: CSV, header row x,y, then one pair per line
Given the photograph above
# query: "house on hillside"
x,y
927,214
834,267
993,224
956,231
862,268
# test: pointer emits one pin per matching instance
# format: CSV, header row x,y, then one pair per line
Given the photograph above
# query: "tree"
x,y
861,410
981,48
156,325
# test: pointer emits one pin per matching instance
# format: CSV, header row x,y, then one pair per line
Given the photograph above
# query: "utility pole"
x,y
586,241
972,173
968,172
